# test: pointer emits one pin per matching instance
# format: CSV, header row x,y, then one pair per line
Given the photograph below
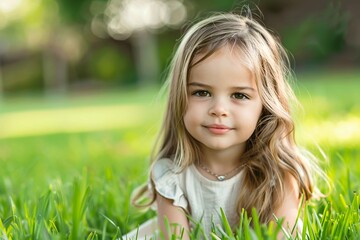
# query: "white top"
x,y
200,197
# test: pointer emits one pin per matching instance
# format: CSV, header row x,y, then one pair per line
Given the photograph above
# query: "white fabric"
x,y
147,230
200,197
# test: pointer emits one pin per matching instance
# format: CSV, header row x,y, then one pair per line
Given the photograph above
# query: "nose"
x,y
219,108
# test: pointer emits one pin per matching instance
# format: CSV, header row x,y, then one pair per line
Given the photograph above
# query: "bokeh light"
x,y
123,17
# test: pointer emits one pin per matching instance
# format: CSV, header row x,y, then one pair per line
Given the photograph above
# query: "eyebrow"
x,y
197,84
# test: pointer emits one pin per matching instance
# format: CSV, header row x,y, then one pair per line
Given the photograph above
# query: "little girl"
x,y
227,139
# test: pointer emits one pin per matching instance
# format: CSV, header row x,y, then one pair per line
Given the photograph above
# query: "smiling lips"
x,y
218,129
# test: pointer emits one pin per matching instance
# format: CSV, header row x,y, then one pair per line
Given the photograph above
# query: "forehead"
x,y
226,64
238,53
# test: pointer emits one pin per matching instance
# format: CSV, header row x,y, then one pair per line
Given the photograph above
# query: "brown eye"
x,y
201,93
239,96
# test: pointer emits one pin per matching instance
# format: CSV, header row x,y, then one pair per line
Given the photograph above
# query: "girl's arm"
x,y
175,215
290,206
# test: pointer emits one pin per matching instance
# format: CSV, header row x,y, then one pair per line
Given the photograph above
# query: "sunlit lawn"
x,y
45,140
104,140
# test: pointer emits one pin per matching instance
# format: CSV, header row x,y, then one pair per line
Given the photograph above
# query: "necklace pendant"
x,y
221,178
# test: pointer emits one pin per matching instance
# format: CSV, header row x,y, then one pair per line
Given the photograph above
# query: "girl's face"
x,y
223,102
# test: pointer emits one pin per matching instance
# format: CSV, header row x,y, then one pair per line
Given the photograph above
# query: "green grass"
x,y
68,164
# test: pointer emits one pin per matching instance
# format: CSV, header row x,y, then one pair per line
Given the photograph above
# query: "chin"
x,y
217,146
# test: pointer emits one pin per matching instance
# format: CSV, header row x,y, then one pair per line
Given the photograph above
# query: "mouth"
x,y
218,129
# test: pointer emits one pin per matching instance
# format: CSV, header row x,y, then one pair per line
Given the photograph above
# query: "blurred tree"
x,y
138,21
66,41
22,32
318,36
138,32
33,26
200,7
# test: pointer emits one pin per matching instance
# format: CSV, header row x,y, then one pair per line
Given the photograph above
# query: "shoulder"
x,y
167,184
291,186
289,208
162,167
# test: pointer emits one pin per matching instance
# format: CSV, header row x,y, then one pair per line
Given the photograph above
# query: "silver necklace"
x,y
220,177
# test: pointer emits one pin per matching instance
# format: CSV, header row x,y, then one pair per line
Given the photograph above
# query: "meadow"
x,y
68,164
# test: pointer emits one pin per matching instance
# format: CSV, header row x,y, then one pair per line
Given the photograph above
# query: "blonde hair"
x,y
271,151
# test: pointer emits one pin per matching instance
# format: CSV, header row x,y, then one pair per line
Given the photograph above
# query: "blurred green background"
x,y
79,83
56,46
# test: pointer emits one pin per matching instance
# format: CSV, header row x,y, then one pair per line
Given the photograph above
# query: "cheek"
x,y
258,109
190,112
260,112
257,117
192,117
252,116
189,118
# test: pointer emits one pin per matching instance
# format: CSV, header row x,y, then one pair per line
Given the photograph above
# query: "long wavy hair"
x,y
271,151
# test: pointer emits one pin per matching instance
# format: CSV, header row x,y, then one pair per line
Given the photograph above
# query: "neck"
x,y
221,161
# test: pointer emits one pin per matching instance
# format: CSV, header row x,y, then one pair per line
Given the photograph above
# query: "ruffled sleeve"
x,y
167,183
